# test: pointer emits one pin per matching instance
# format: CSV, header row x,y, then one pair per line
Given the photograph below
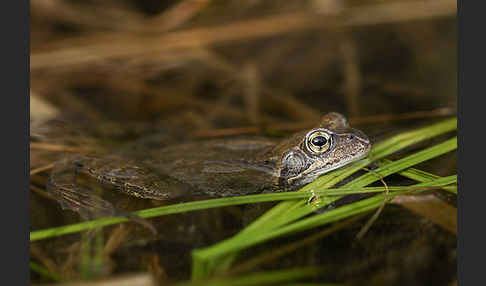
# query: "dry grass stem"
x,y
37,253
42,169
58,148
307,124
432,208
121,45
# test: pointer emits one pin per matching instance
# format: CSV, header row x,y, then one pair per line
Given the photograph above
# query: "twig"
x,y
58,148
42,169
177,14
37,253
41,192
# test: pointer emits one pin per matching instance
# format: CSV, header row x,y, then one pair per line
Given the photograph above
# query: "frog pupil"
x,y
319,141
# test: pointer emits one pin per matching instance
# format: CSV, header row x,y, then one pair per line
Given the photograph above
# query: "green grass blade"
x,y
419,176
411,160
42,271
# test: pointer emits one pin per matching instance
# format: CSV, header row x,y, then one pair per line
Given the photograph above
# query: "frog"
x,y
215,167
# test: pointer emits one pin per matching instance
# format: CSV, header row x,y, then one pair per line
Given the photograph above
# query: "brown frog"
x,y
217,168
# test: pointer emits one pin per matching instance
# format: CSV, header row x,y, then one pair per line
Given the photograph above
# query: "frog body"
x,y
224,167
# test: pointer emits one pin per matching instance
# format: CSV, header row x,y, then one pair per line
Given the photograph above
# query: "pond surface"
x,y
139,128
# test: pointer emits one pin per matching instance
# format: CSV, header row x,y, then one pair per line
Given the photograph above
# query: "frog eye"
x,y
318,142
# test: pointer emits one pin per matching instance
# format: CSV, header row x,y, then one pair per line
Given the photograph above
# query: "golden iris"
x,y
319,142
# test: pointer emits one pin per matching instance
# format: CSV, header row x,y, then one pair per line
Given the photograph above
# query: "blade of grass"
x,y
419,175
402,164
206,204
44,272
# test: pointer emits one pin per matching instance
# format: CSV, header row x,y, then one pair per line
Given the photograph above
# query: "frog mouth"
x,y
311,176
347,161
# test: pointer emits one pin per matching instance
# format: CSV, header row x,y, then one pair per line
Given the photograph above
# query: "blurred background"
x,y
216,64
107,72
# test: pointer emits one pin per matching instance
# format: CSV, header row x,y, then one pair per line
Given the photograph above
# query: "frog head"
x,y
308,154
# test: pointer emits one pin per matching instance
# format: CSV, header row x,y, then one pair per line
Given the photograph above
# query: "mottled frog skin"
x,y
224,167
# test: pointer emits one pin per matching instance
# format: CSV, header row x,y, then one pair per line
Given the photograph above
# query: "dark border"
x,y
14,118
460,145
471,194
